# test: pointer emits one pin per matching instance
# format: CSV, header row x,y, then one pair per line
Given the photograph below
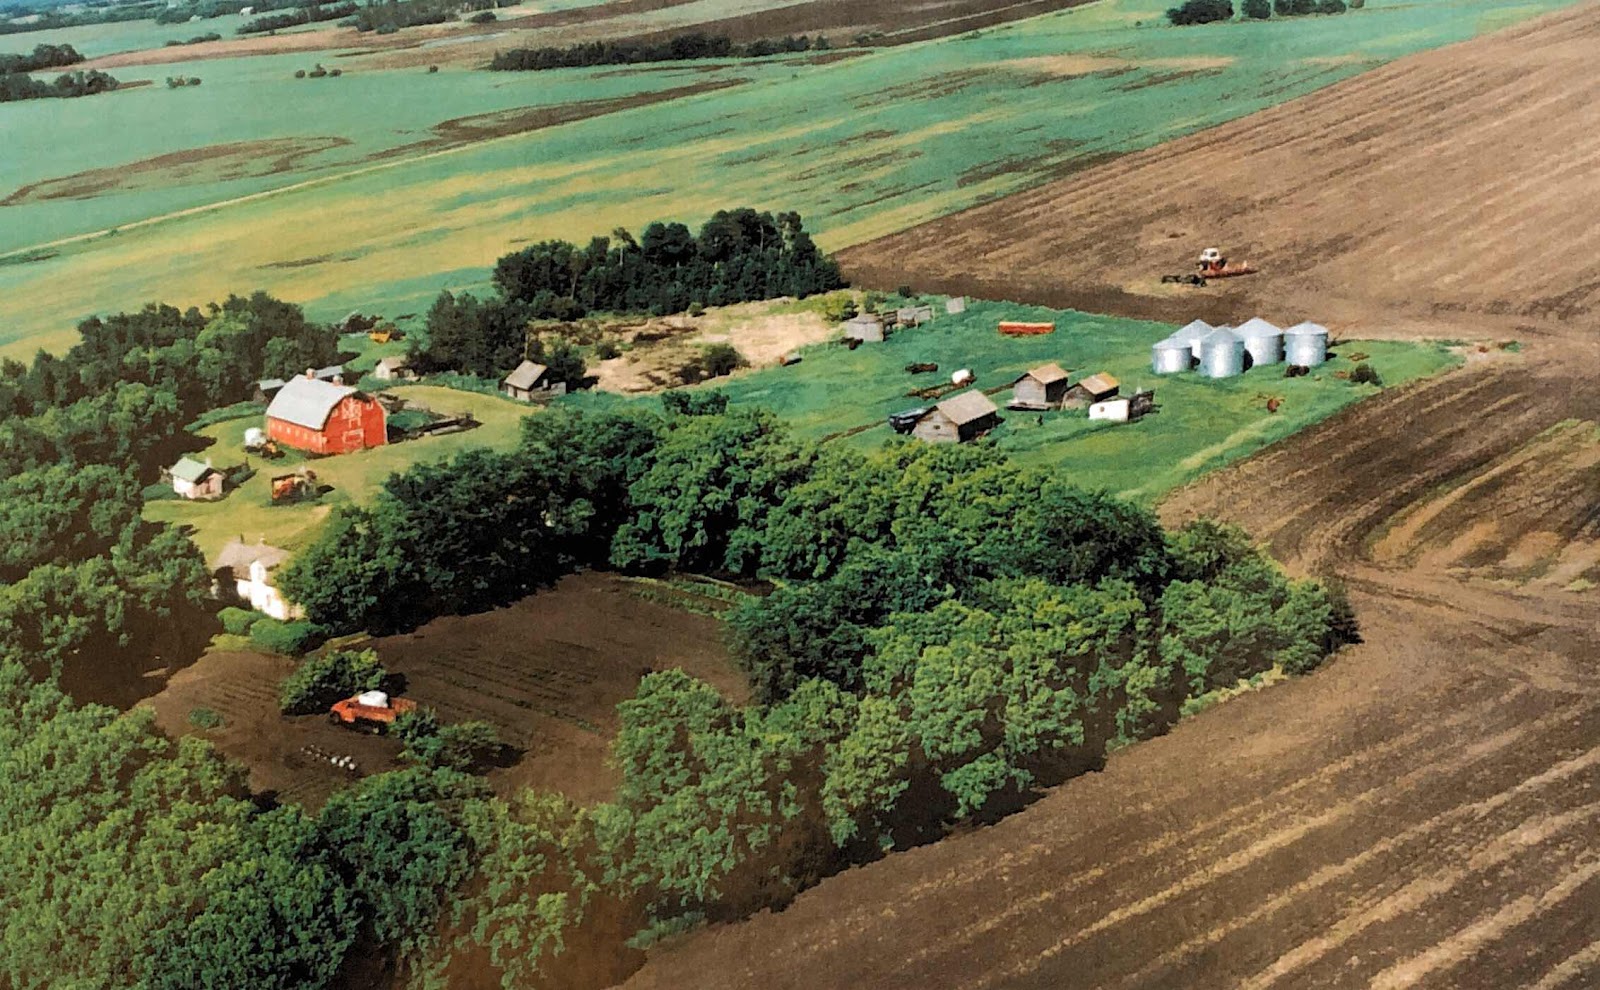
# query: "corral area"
x,y
1448,186
863,146
547,672
248,511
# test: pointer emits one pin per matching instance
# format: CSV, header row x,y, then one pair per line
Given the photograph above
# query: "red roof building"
x,y
324,418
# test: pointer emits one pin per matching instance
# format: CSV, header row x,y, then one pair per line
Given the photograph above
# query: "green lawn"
x,y
248,511
863,147
1201,424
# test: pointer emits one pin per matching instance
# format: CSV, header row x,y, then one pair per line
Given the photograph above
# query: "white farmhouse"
x,y
249,570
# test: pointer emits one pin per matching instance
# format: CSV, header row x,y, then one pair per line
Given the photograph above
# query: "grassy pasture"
x,y
864,146
1200,426
248,511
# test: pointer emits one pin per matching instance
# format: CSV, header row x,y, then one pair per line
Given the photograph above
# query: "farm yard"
x,y
249,512
547,672
930,128
1200,425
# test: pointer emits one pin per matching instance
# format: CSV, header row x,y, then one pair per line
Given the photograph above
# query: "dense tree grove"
x,y
1200,12
739,255
683,47
43,57
84,580
16,86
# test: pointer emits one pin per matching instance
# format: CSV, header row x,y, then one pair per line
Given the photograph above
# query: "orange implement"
x,y
1026,329
1225,270
369,709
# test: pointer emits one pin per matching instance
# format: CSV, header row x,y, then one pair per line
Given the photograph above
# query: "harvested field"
x,y
548,671
1323,193
217,163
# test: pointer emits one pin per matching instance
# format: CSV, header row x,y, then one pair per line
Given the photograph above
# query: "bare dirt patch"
x,y
243,688
659,348
548,671
213,163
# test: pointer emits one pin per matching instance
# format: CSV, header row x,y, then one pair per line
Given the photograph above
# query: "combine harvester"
x,y
1212,264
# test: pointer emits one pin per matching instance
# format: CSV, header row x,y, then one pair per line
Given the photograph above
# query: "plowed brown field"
x,y
1423,811
1459,180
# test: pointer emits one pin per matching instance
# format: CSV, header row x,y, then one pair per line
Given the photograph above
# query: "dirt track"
x,y
1422,812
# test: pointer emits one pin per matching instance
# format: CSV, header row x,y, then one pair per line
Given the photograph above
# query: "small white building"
x,y
1112,410
245,571
397,368
195,479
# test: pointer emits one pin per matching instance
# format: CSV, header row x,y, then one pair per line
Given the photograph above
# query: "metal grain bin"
x,y
1171,356
1262,341
1221,354
1191,335
1306,344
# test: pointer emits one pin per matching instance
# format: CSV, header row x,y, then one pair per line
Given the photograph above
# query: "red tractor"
x,y
373,711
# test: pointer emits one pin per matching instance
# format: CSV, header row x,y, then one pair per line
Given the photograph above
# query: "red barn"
x,y
324,418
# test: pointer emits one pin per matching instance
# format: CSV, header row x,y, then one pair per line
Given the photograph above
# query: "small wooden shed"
x,y
1044,387
530,379
397,368
1088,391
958,419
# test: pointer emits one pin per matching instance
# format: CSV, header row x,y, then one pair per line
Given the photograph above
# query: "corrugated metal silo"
x,y
1191,335
1262,341
1171,356
1221,354
1306,344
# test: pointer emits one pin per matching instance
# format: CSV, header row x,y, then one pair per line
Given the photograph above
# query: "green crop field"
x,y
863,146
248,511
1201,424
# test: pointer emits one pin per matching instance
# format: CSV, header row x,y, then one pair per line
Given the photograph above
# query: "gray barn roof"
x,y
967,407
526,375
1045,374
307,401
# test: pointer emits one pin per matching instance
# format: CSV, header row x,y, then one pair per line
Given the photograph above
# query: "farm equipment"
x,y
1016,329
1213,265
921,368
385,333
904,422
300,484
370,710
1184,279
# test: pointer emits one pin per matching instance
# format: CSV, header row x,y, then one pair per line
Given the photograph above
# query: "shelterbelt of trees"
x,y
740,255
682,48
87,588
